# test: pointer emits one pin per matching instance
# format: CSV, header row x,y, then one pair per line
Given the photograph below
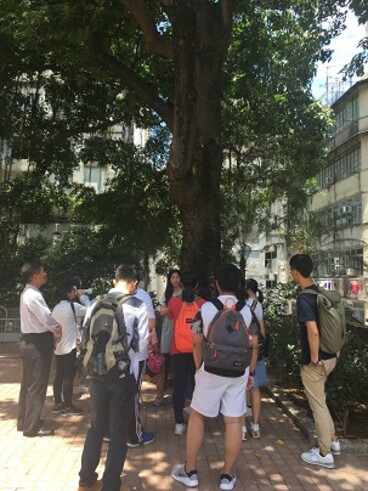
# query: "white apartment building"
x,y
341,258
342,202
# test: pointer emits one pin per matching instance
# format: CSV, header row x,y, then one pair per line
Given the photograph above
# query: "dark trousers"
x,y
36,352
167,357
65,372
184,369
135,426
111,409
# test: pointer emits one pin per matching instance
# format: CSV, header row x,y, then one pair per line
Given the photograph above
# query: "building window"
x,y
347,213
268,258
341,167
347,114
93,177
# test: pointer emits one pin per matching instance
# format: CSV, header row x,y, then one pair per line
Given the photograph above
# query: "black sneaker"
x,y
71,410
58,408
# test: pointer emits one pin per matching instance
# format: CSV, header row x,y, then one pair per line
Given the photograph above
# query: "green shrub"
x,y
347,384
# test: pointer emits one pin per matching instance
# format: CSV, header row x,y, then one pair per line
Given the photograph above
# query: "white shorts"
x,y
214,394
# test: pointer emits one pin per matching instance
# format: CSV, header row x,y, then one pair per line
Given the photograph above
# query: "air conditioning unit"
x,y
286,307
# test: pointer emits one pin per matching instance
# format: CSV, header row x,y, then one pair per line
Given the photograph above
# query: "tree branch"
x,y
133,82
142,15
64,135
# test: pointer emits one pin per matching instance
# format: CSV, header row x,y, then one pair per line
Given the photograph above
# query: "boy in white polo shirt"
x,y
216,393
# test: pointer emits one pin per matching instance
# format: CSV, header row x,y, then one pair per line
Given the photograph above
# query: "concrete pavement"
x,y
270,463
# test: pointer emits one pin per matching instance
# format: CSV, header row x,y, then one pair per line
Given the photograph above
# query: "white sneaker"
x,y
244,434
315,458
180,474
227,482
254,429
180,429
335,447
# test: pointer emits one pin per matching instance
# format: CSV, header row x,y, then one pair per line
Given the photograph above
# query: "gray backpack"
x,y
332,323
108,344
227,347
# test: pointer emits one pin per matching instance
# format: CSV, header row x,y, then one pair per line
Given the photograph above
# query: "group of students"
x,y
218,391
115,410
182,287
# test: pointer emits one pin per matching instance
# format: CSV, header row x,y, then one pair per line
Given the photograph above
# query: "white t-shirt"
x,y
258,310
63,314
146,298
35,316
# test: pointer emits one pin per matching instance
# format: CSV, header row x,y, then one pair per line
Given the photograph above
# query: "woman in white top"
x,y
69,315
254,300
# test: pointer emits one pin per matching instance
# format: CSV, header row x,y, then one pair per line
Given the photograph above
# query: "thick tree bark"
x,y
200,42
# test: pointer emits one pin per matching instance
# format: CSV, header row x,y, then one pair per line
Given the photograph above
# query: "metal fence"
x,y
9,324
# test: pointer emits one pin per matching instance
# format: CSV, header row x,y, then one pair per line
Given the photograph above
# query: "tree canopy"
x,y
228,83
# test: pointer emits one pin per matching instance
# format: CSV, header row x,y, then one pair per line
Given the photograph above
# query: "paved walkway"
x,y
52,463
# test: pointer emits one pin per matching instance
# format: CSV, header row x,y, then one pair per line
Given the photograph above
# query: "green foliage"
x,y
274,131
358,64
135,206
284,339
71,69
346,386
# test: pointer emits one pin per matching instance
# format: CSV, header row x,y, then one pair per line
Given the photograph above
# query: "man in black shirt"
x,y
316,365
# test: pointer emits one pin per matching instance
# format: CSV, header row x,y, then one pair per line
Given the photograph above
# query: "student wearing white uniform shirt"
x,y
137,435
214,393
112,401
66,313
255,299
38,331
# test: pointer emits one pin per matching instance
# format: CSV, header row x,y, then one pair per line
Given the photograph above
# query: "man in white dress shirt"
x,y
38,332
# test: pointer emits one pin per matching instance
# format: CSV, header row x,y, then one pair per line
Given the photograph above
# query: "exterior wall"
x,y
354,237
343,201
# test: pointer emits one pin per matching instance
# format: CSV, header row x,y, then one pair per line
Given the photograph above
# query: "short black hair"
x,y
302,263
129,263
127,272
29,269
76,281
63,289
228,277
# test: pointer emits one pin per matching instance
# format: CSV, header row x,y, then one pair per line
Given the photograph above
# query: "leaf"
x,y
281,443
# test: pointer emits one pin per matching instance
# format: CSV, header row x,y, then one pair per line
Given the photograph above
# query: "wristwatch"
x,y
252,373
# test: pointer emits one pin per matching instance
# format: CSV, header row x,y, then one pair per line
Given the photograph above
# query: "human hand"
x,y
58,331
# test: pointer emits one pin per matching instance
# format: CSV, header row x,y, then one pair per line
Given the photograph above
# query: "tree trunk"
x,y
200,42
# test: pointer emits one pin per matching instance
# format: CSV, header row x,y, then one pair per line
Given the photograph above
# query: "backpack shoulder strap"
x,y
240,305
73,309
310,290
253,306
217,303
